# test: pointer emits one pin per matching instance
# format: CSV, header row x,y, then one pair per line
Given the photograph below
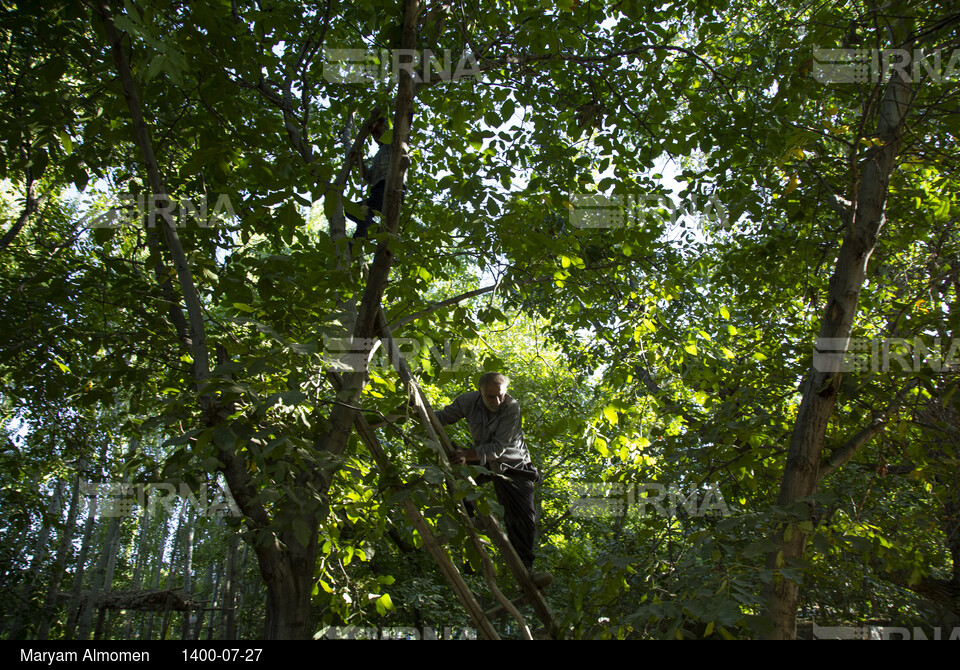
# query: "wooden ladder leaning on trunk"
x,y
435,431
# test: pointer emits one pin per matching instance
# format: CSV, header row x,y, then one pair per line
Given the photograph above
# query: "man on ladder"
x,y
495,424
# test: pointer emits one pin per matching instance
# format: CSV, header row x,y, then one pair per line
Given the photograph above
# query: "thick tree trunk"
x,y
289,579
289,573
822,385
287,566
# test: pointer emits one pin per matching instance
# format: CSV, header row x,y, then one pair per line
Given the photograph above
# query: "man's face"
x,y
493,396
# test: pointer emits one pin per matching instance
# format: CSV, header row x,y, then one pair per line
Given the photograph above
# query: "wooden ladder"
x,y
435,431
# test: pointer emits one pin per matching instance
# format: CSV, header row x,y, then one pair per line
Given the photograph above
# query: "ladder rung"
x,y
500,610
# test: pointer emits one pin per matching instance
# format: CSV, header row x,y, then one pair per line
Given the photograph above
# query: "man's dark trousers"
x,y
515,494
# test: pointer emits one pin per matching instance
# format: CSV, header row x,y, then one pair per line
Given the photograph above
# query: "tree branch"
x,y
241,484
879,422
142,135
437,306
365,329
30,207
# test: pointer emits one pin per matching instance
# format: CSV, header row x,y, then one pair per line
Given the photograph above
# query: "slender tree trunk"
x,y
188,571
12,556
822,385
99,579
76,592
243,594
209,586
139,568
41,551
112,553
228,618
73,609
175,559
60,564
157,569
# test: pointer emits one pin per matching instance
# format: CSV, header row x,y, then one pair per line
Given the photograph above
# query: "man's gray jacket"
x,y
497,438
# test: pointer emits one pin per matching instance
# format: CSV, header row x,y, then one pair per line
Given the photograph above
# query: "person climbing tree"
x,y
495,423
376,177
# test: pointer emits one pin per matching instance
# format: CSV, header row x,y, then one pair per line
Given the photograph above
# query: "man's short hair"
x,y
488,378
